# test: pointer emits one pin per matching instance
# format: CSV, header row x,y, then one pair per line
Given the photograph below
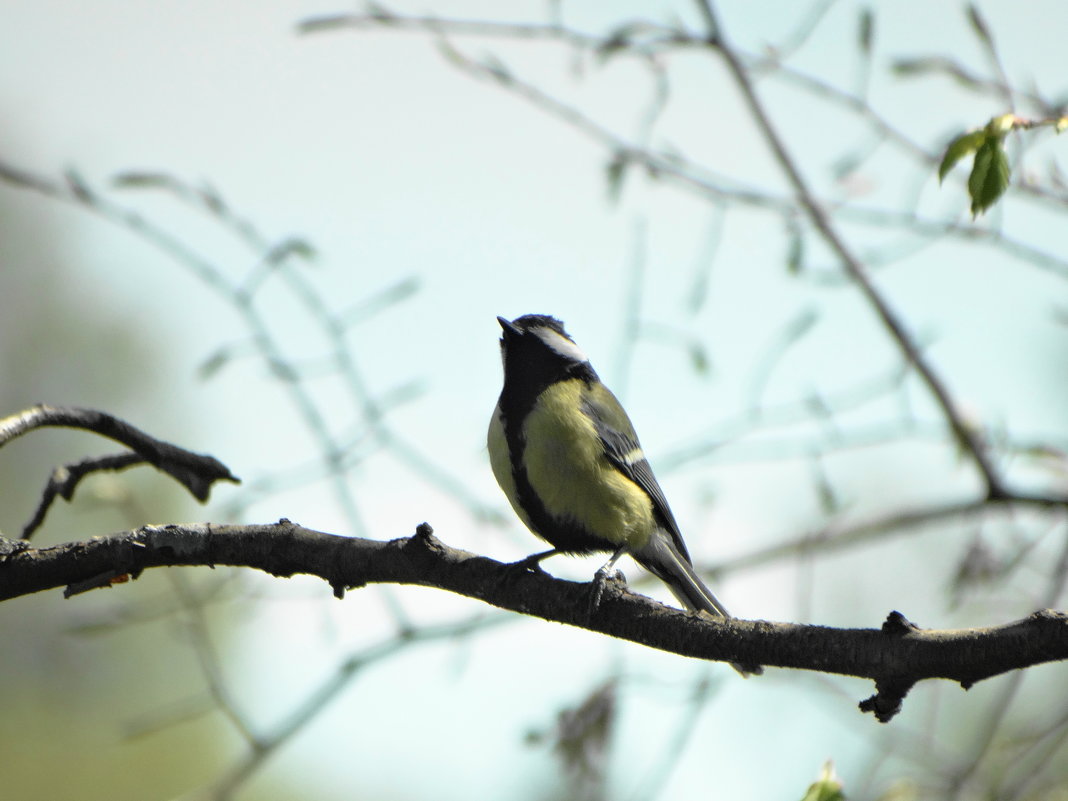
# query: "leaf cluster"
x,y
990,174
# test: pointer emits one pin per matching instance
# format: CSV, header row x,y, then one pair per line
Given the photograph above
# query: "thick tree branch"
x,y
895,657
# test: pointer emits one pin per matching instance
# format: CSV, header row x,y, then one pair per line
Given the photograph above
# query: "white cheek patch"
x,y
561,344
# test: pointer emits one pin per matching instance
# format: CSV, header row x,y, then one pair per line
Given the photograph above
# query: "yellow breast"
x,y
568,470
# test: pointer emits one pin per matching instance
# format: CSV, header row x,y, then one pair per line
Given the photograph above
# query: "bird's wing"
x,y
623,450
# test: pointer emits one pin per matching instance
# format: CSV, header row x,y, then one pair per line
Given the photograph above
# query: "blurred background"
x,y
280,232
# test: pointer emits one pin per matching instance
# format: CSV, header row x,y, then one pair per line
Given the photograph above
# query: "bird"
x,y
566,455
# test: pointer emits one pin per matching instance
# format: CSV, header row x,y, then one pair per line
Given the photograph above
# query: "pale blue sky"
x,y
394,165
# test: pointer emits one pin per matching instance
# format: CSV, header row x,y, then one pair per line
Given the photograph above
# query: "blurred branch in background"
x,y
809,213
338,454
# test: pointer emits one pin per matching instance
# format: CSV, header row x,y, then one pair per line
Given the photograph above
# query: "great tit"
x,y
567,456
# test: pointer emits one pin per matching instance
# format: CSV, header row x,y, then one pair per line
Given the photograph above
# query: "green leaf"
x,y
824,791
959,148
369,307
866,30
829,502
294,246
214,363
699,360
990,175
795,255
826,788
138,179
1001,125
616,171
907,67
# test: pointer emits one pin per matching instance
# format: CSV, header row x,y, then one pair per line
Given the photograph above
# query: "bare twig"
x,y
839,536
196,472
969,439
986,734
268,743
65,479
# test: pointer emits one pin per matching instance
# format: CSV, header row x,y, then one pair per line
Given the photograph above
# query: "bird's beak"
x,y
508,327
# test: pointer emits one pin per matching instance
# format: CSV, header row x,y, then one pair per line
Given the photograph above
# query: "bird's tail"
x,y
661,558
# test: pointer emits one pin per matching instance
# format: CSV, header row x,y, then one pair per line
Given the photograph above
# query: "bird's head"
x,y
536,349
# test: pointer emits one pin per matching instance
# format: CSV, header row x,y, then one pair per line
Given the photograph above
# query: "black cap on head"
x,y
528,322
537,352
535,338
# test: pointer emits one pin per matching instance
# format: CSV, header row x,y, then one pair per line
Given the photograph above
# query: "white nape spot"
x,y
561,344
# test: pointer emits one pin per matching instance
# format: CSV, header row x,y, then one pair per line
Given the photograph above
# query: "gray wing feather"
x,y
665,555
617,446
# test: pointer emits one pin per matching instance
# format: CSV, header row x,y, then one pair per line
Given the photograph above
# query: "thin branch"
x,y
66,478
968,437
646,39
675,746
838,536
384,18
265,745
207,656
275,259
987,732
690,176
196,472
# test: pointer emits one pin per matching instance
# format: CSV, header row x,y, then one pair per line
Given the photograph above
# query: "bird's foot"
x,y
600,581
